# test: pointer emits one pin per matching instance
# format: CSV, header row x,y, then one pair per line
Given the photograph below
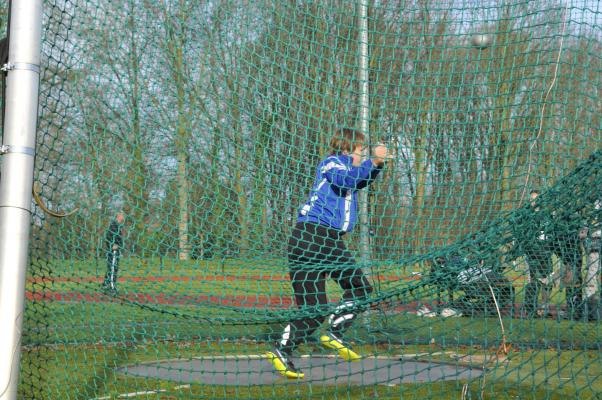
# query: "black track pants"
x,y
316,252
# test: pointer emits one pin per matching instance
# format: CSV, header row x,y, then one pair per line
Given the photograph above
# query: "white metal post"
x,y
16,179
365,127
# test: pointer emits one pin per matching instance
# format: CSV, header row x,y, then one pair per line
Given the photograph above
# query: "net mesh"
x,y
202,125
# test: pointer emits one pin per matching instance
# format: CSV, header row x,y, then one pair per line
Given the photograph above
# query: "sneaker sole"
x,y
345,353
281,368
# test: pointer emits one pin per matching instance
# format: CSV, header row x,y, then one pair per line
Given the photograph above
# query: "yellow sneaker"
x,y
332,342
283,365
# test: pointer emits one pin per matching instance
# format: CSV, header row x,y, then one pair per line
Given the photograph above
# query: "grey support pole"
x,y
365,127
16,179
365,250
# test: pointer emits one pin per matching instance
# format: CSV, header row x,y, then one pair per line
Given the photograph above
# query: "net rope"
x,y
202,124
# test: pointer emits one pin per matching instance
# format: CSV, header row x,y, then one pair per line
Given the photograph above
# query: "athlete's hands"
x,y
380,153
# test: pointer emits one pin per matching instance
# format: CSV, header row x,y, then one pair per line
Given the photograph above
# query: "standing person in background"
x,y
536,246
316,250
113,246
567,247
592,243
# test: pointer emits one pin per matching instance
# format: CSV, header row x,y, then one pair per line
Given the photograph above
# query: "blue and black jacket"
x,y
333,197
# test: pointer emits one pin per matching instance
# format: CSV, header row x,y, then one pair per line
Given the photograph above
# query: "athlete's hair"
x,y
346,140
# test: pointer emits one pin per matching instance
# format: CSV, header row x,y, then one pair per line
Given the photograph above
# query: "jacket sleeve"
x,y
373,174
118,238
348,176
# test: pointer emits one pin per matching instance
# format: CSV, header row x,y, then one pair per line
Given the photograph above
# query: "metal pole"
x,y
364,120
365,128
18,151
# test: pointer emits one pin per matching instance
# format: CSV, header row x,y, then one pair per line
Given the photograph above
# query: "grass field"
x,y
74,344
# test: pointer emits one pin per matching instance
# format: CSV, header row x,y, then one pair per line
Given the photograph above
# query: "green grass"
x,y
77,372
72,349
230,277
113,322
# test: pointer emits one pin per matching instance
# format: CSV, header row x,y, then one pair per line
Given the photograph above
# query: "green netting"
x,y
204,123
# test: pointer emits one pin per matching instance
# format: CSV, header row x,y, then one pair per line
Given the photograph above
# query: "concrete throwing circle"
x,y
327,370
